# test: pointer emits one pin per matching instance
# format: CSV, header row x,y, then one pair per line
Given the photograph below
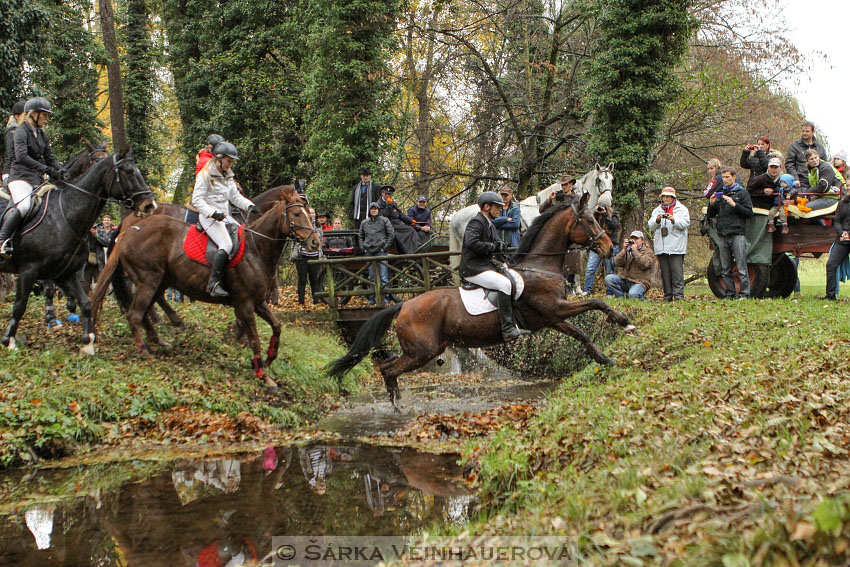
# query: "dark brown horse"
x,y
151,253
427,324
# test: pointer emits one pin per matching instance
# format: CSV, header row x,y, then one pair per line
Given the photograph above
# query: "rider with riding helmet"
x,y
480,242
206,153
33,160
9,136
214,190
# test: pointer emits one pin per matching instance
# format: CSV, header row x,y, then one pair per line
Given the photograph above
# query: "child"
x,y
786,184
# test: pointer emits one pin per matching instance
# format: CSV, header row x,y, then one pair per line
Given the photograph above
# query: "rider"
x,y
206,153
480,242
9,135
33,159
214,191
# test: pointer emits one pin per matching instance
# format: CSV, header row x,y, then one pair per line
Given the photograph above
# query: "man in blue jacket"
x,y
732,207
508,222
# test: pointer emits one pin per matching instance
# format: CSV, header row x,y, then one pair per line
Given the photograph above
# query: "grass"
x,y
55,402
720,438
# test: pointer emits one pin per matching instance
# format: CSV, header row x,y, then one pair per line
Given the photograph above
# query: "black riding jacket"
x,y
32,155
479,243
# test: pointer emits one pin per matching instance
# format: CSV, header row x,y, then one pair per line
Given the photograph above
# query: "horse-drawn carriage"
x,y
771,255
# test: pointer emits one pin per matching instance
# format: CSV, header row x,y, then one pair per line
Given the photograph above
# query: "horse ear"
x,y
611,166
598,167
584,199
88,145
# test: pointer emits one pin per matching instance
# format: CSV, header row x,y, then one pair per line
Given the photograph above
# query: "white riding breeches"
x,y
21,192
217,231
491,279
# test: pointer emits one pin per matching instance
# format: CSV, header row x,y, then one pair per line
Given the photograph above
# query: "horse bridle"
x,y
594,239
291,226
127,200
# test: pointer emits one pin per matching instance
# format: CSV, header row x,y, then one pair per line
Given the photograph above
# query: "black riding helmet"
x,y
18,107
38,104
490,198
225,149
214,140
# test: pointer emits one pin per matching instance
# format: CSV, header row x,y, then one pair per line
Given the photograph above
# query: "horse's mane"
x,y
534,230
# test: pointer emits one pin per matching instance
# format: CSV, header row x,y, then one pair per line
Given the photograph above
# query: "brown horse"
x,y
151,254
428,323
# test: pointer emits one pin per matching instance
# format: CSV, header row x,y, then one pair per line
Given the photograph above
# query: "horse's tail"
x,y
369,336
111,274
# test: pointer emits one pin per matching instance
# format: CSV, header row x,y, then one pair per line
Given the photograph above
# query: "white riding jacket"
x,y
214,191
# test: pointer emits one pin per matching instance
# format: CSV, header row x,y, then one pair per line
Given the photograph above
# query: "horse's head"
x,y
604,178
127,186
586,231
82,162
295,220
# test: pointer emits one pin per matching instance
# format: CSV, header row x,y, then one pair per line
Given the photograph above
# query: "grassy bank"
x,y
55,402
721,438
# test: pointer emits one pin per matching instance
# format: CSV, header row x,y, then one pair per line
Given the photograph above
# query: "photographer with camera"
x,y
755,157
732,207
636,262
609,220
563,196
669,224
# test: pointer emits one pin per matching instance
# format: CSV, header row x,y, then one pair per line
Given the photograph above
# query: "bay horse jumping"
x,y
152,256
430,322
56,247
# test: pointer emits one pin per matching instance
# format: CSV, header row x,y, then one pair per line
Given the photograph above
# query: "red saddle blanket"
x,y
199,248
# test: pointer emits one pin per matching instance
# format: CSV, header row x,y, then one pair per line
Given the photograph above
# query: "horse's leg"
x,y
264,311
245,313
566,309
576,333
49,310
22,295
420,342
169,311
136,316
73,288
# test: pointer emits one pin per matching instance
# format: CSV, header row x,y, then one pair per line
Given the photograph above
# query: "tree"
x,y
631,82
18,43
113,71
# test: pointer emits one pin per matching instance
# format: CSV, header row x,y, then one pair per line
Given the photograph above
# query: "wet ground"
x,y
224,510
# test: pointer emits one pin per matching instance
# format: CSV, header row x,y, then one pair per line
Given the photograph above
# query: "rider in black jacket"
x,y
480,242
9,137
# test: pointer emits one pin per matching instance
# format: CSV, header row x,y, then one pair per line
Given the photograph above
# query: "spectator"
x,y
566,194
787,185
841,247
337,242
420,214
322,220
732,207
715,181
376,237
765,187
839,162
362,195
823,177
300,257
105,233
508,222
795,160
406,238
756,157
95,260
669,223
608,219
637,262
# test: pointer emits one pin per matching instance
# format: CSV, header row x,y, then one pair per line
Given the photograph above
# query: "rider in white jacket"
x,y
214,190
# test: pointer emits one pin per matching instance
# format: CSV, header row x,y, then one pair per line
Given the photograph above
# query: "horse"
x,y
430,322
55,247
594,183
151,254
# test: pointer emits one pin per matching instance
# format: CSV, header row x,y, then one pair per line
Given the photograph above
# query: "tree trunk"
x,y
113,75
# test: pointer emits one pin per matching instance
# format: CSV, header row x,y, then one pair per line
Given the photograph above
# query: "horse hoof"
x,y
270,384
631,329
165,345
143,352
607,361
73,318
12,344
88,349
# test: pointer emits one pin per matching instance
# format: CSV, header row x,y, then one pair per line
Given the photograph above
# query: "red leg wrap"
x,y
257,364
272,352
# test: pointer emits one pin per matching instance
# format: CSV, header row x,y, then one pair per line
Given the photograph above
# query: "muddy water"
x,y
190,512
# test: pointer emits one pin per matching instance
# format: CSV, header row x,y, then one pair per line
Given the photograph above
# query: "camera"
x,y
630,241
559,195
600,208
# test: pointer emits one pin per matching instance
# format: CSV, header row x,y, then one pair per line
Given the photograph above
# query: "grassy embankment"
x,y
721,438
55,402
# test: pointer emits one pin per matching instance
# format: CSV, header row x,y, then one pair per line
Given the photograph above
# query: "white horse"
x,y
596,182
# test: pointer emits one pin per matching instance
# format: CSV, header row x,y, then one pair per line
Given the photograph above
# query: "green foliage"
x,y
631,81
348,92
21,22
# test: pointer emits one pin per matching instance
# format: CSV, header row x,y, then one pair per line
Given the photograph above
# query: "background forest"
x,y
439,97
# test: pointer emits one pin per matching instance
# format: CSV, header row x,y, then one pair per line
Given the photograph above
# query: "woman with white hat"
x,y
669,223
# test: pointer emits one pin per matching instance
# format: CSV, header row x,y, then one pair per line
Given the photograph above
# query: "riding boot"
x,y
510,331
11,220
215,287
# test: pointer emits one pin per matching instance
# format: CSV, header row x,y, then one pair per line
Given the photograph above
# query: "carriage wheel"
x,y
757,273
783,276
339,285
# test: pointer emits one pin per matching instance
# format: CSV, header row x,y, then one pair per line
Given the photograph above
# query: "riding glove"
x,y
218,215
53,173
501,246
252,209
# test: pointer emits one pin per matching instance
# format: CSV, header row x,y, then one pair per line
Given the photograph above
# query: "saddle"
x,y
199,248
38,199
478,300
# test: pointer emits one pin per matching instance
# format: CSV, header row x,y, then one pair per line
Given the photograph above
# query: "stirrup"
x,y
217,290
6,249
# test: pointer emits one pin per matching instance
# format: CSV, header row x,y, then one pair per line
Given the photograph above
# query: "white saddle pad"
x,y
475,300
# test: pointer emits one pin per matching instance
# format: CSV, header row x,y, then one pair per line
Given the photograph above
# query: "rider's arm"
x,y
22,155
236,197
472,239
199,195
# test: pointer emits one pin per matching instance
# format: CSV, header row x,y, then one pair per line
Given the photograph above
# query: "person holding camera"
x,y
732,207
636,262
755,157
563,196
609,220
841,248
669,224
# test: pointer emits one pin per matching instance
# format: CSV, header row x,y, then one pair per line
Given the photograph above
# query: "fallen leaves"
x,y
442,427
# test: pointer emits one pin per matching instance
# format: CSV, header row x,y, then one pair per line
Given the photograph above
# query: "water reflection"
x,y
224,511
